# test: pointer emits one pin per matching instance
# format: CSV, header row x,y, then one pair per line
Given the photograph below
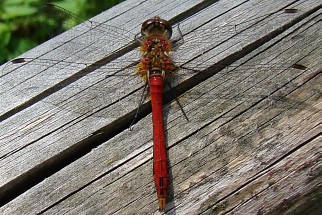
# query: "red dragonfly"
x,y
155,66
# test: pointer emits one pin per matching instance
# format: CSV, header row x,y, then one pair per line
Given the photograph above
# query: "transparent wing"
x,y
56,20
94,82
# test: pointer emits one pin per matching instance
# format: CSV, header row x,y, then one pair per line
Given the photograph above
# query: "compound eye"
x,y
156,25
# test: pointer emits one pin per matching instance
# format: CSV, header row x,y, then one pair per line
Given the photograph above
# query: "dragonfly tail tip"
x,y
162,202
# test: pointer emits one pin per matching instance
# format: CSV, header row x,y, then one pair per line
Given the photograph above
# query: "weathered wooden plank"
x,y
127,185
55,125
60,127
278,189
115,192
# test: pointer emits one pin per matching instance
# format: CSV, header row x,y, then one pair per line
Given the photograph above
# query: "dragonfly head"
x,y
158,26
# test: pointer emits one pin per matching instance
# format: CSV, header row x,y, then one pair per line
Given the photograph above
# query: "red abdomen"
x,y
160,169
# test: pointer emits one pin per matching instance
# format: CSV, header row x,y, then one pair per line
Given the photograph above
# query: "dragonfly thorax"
x,y
155,60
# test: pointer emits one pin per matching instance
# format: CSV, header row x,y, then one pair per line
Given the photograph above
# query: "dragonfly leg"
x,y
143,97
177,100
139,38
180,41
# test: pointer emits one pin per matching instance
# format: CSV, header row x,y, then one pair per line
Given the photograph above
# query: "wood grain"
x,y
252,145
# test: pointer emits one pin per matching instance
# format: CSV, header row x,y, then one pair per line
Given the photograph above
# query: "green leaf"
x,y
13,2
11,12
5,35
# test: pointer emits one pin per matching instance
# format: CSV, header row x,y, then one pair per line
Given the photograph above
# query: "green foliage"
x,y
26,23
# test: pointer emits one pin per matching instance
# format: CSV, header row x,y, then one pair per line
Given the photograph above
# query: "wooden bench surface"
x,y
252,144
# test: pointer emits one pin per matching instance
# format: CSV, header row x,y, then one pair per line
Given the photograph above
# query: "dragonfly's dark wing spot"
x,y
18,60
298,66
291,10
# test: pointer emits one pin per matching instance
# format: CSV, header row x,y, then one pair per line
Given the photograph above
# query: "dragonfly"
x,y
153,62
